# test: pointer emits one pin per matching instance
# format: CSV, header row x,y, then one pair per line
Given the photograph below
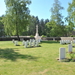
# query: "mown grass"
x,y
17,60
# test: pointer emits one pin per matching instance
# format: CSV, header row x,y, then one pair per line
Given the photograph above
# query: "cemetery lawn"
x,y
17,60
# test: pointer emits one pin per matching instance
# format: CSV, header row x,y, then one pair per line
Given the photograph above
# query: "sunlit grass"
x,y
17,60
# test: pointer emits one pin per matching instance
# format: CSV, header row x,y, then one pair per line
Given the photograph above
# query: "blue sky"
x,y
40,8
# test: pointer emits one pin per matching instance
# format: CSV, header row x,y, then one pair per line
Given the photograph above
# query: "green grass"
x,y
17,60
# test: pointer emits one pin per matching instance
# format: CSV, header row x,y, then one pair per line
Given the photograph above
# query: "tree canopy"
x,y
17,16
71,12
18,21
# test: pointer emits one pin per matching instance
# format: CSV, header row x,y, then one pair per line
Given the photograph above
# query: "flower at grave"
x,y
71,54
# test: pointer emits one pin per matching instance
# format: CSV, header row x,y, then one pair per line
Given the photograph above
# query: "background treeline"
x,y
17,20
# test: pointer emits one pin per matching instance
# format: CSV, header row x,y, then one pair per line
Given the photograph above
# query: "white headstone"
x,y
61,53
73,41
13,41
70,48
53,39
34,42
61,42
68,41
30,43
16,43
37,43
25,44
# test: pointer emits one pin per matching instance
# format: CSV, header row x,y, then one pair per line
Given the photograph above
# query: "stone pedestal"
x,y
37,37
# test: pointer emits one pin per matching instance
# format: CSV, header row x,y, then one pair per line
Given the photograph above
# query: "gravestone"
x,y
16,43
37,43
69,41
61,53
30,43
70,48
13,41
25,44
62,42
34,42
53,39
73,41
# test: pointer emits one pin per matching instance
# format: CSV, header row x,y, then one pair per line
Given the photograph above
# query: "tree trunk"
x,y
17,32
17,27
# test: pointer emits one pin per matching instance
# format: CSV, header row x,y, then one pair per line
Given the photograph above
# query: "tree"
x,y
71,17
17,16
49,26
2,33
71,12
53,29
56,14
57,18
31,29
46,20
41,27
45,27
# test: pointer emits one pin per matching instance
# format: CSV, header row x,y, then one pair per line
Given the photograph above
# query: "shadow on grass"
x,y
10,54
34,46
68,60
50,41
73,46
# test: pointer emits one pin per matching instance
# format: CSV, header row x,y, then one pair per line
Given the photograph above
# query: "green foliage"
x,y
56,13
55,30
31,28
43,36
32,36
71,12
17,16
2,33
42,27
56,25
71,17
50,26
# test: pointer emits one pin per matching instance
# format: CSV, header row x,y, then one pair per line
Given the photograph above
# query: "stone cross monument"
x,y
37,37
37,31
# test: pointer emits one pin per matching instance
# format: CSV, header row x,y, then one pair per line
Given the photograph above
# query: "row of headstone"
x,y
62,52
28,43
31,43
67,41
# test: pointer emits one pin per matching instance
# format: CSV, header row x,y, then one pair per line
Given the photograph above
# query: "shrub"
x,y
43,36
31,36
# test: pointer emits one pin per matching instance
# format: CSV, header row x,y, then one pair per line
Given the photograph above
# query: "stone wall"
x,y
67,38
